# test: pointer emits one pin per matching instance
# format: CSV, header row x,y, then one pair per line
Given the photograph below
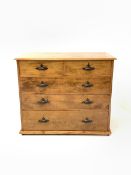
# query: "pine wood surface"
x,y
64,75
102,133
65,120
66,86
63,69
67,56
32,101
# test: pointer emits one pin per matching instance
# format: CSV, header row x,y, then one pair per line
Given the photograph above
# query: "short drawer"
x,y
66,86
65,120
87,69
41,68
32,101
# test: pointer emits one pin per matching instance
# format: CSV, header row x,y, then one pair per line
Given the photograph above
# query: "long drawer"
x,y
32,101
65,120
56,69
66,86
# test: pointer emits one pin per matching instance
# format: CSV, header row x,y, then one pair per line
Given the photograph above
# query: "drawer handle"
x,y
87,84
43,84
88,67
87,101
42,67
86,120
43,101
43,120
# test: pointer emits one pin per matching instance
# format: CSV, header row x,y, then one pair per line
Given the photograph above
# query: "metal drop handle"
x,y
42,67
87,120
88,67
87,84
87,101
43,84
43,120
43,101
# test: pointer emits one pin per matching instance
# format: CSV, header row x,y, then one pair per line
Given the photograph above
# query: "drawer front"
x,y
41,68
66,86
65,120
67,68
32,101
88,68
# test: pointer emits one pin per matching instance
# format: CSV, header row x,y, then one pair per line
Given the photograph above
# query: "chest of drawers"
x,y
65,93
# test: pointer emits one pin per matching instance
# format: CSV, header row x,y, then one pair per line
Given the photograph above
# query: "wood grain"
x,y
67,56
102,133
31,101
28,69
75,69
20,97
57,69
65,92
65,120
66,86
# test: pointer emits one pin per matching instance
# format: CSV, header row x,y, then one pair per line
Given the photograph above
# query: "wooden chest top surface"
x,y
67,56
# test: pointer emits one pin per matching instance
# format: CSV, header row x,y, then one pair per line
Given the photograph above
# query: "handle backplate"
x,y
87,84
87,101
43,101
87,120
42,67
43,120
43,84
88,67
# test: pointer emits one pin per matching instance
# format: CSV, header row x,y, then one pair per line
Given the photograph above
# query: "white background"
x,y
65,25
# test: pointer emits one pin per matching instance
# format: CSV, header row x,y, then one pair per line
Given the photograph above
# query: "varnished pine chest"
x,y
65,93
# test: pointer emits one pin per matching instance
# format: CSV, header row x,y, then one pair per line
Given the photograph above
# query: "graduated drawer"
x,y
32,101
65,68
65,120
100,85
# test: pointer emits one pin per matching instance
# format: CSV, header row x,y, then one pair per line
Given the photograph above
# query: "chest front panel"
x,y
65,96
